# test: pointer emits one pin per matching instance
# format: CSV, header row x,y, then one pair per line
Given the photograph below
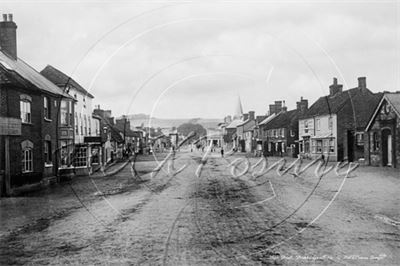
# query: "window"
x,y
27,156
46,107
305,126
81,123
292,134
326,145
76,124
330,123
274,133
360,139
70,114
375,139
318,124
80,159
64,113
283,147
27,161
25,108
89,126
313,146
280,132
47,151
85,119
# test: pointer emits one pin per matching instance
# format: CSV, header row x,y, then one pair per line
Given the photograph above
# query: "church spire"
x,y
238,109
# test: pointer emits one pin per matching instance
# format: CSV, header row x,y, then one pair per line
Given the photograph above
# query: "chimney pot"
x,y
4,17
10,17
334,81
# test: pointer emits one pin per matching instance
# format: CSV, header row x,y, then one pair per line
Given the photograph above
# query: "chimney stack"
x,y
8,36
251,115
302,105
245,117
335,87
362,83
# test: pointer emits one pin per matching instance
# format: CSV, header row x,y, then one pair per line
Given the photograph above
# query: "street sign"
x,y
10,126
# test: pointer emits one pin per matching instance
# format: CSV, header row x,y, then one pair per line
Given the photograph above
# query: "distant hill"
x,y
139,119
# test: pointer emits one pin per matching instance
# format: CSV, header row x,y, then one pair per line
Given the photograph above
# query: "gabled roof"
x,y
283,119
243,122
114,131
363,102
30,74
128,132
234,123
266,120
393,99
61,79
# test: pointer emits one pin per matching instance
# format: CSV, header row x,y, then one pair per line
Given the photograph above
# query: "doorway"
x,y
387,147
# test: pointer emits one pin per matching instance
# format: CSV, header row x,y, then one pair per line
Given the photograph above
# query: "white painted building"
x,y
318,136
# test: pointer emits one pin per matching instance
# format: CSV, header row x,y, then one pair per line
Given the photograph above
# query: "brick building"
x,y
85,126
38,105
282,131
382,142
334,125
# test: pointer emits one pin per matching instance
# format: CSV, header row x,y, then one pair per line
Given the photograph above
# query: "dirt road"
x,y
211,219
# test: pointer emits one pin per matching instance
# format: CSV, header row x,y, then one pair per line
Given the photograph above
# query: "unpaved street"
x,y
213,219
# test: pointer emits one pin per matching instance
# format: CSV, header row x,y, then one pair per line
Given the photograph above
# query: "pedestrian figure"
x,y
222,152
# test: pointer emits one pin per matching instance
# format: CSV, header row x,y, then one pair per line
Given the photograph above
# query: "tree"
x,y
186,128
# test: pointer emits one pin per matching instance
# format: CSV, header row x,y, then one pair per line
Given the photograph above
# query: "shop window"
x,y
332,145
80,159
319,146
326,145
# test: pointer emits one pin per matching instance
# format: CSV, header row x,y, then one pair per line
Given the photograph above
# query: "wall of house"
x,y
32,132
49,128
83,108
374,151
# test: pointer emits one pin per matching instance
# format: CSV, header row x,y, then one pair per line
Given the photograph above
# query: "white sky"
x,y
192,59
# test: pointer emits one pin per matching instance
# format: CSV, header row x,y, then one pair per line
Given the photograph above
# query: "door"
x,y
350,146
389,150
386,147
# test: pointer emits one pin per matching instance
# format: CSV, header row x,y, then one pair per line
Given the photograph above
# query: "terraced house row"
x,y
48,127
353,125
